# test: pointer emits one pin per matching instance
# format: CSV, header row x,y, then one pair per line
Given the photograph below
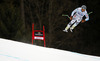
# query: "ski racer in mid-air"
x,y
77,17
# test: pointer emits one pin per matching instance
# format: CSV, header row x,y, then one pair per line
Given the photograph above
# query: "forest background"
x,y
17,16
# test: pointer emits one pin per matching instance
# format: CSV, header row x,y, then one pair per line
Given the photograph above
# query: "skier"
x,y
77,17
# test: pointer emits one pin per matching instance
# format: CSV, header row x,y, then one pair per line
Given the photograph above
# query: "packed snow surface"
x,y
18,51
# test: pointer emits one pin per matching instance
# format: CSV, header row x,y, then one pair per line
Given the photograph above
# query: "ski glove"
x,y
83,21
71,17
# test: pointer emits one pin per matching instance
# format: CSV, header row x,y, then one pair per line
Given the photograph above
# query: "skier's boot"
x,y
65,30
71,30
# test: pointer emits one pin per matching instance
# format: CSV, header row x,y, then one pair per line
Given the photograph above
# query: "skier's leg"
x,y
68,26
75,24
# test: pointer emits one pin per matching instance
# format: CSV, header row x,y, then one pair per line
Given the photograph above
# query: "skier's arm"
x,y
87,16
74,11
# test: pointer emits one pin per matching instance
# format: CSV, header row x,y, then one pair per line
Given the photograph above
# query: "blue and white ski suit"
x,y
77,15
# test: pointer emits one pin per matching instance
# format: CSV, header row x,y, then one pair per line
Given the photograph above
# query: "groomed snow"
x,y
17,51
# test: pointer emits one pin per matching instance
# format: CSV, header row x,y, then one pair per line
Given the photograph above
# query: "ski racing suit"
x,y
77,15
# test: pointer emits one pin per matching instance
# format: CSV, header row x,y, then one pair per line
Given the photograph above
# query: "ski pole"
x,y
69,17
66,15
90,13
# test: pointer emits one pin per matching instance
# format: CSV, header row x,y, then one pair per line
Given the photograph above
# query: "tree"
x,y
8,19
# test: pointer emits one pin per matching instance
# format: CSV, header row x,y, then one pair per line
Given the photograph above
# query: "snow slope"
x,y
17,51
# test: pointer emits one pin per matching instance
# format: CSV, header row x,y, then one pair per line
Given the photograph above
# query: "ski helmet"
x,y
83,6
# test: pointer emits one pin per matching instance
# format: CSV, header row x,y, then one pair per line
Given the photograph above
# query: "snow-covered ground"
x,y
17,51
